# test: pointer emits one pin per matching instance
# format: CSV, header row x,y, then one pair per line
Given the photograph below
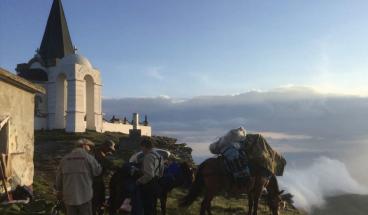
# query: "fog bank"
x,y
324,178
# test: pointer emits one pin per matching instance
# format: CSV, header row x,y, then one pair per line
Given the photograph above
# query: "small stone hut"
x,y
17,110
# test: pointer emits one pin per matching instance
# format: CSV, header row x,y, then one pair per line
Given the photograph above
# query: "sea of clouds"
x,y
323,136
324,178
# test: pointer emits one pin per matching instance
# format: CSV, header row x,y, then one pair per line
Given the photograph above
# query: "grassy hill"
x,y
51,146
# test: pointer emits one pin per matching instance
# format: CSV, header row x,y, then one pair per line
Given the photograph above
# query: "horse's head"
x,y
275,202
129,170
188,174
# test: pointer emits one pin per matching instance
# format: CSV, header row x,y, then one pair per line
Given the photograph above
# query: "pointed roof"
x,y
56,41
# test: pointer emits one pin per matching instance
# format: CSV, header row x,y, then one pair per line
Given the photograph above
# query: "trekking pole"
x,y
4,181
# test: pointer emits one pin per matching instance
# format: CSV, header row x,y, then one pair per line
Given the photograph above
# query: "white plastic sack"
x,y
231,138
138,157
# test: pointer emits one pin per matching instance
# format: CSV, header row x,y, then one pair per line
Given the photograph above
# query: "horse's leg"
x,y
163,200
209,200
250,203
260,183
203,206
255,203
111,207
206,204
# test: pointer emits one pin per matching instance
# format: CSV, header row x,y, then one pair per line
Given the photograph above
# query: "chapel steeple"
x,y
56,41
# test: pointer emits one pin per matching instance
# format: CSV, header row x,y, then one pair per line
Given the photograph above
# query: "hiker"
x,y
101,155
74,178
235,159
152,170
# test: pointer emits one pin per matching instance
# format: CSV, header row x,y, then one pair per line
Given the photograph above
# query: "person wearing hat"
x,y
101,155
74,178
152,170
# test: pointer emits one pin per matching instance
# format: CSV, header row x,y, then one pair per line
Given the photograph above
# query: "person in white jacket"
x,y
74,179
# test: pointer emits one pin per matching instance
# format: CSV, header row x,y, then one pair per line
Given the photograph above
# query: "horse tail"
x,y
195,190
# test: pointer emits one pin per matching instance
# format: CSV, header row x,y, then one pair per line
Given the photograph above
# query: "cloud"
x,y
324,178
301,112
299,121
283,136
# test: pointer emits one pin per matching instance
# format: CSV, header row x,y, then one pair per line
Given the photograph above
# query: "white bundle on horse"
x,y
231,138
139,156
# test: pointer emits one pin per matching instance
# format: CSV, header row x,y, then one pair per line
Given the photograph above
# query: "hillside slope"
x,y
50,147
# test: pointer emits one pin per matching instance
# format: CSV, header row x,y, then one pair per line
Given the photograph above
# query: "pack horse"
x,y
245,164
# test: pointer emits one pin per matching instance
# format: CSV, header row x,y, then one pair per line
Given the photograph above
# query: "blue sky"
x,y
209,47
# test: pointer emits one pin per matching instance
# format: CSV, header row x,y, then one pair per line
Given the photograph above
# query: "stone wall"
x,y
19,105
124,128
116,127
145,130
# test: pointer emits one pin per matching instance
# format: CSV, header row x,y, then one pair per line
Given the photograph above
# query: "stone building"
x,y
17,99
73,85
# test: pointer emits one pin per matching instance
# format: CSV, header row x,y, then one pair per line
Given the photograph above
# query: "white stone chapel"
x,y
73,85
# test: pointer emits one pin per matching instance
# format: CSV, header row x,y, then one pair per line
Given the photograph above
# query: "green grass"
x,y
220,206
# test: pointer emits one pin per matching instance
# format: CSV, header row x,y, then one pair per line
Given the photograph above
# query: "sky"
x,y
191,48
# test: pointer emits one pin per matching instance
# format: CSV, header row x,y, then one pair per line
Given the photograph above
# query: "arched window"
x,y
89,102
61,101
